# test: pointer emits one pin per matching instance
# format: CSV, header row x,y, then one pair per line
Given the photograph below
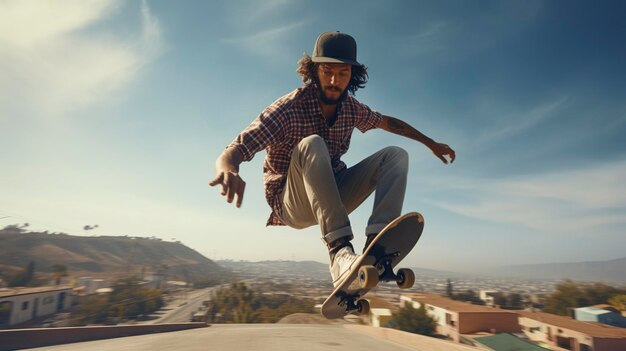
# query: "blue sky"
x,y
113,112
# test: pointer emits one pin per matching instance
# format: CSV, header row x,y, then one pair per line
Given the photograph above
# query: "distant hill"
x,y
610,271
102,255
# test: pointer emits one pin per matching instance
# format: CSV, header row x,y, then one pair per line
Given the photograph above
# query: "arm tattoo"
x,y
402,128
397,127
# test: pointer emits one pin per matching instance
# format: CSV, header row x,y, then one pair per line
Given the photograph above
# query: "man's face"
x,y
333,81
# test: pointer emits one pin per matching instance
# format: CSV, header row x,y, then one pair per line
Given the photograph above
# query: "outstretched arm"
x,y
396,126
227,175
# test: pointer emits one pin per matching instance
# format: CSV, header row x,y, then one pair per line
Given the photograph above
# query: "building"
x,y
22,305
487,296
379,317
381,311
599,315
89,285
458,320
552,331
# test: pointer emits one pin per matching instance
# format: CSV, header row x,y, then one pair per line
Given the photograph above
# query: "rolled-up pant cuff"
x,y
338,234
374,228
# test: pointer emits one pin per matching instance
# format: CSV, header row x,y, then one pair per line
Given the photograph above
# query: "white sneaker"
x,y
340,267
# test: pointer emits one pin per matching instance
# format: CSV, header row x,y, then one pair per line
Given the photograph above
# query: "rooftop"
x,y
453,305
508,342
593,310
244,337
26,291
607,307
592,329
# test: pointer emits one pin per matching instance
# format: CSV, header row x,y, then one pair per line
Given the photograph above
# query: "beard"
x,y
321,94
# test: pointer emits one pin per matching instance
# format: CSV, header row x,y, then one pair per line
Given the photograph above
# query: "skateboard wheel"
x,y
363,307
406,278
368,277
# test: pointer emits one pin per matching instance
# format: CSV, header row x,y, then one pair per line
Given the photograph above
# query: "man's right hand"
x,y
227,175
232,185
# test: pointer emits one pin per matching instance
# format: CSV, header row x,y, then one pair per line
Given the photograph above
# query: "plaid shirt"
x,y
284,123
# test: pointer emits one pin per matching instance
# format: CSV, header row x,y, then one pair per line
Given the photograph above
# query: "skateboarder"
x,y
305,133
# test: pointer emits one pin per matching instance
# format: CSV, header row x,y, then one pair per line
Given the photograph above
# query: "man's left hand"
x,y
442,150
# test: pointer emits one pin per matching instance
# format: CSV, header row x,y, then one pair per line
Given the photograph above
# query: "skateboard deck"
x,y
376,264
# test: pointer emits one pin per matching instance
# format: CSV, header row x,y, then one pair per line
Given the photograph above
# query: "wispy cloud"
x,y
430,37
261,10
559,202
51,64
269,43
588,188
518,122
452,35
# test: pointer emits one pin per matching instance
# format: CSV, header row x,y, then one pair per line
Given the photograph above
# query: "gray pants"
x,y
315,195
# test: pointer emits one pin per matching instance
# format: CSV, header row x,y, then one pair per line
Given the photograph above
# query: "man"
x,y
305,134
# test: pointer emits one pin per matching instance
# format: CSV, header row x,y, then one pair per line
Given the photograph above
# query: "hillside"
x,y
611,271
102,255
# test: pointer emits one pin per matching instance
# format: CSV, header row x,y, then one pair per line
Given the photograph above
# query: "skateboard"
x,y
376,264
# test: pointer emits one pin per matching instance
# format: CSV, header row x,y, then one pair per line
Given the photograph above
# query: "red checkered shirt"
x,y
284,123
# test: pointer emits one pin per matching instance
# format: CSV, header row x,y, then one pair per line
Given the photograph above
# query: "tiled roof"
x,y
453,305
26,291
592,329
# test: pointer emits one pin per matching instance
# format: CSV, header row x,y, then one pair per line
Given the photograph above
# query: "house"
x,y
379,317
89,285
487,296
599,315
24,304
381,311
456,319
551,331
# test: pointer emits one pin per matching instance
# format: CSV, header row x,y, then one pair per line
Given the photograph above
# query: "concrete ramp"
x,y
269,337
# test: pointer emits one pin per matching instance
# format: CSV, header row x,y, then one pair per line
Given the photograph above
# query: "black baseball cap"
x,y
335,47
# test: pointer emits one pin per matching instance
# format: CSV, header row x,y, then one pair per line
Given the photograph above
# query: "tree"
x,y
16,228
243,299
515,300
25,277
572,295
131,301
449,289
128,301
95,309
600,293
500,299
242,304
619,302
414,320
468,296
59,271
567,295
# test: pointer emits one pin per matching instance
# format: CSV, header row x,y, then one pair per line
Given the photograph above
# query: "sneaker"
x,y
341,264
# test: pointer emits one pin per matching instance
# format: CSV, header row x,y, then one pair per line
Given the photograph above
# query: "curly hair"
x,y
307,69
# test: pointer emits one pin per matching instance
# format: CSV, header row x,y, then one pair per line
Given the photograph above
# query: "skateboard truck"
x,y
347,301
382,270
385,270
